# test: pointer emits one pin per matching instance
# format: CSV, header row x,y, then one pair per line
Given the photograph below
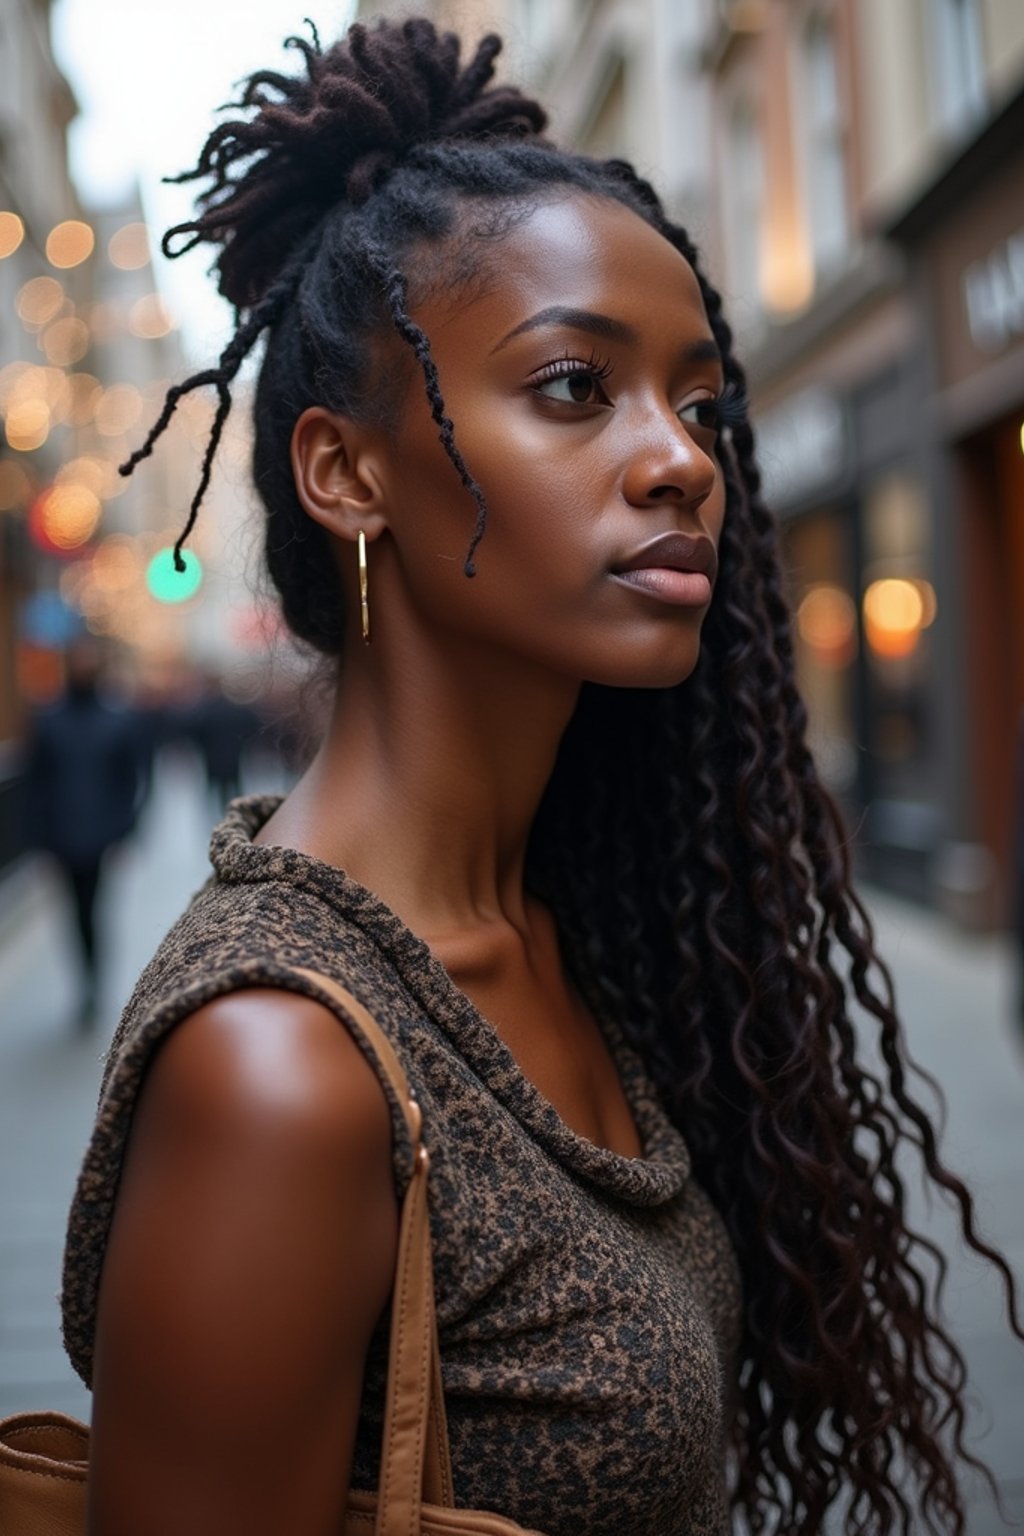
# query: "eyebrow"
x,y
596,324
573,320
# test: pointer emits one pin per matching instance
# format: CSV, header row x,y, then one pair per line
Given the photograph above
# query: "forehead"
x,y
579,251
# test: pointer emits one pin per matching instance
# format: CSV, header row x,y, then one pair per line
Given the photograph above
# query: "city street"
x,y
955,992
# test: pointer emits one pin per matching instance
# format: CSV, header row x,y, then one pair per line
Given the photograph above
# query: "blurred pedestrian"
x,y
221,728
83,788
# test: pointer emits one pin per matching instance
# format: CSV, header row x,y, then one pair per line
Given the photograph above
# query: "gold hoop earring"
x,y
364,589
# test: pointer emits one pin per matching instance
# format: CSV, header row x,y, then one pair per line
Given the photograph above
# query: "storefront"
x,y
844,472
965,240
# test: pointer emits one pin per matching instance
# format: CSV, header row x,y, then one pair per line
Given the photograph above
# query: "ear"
x,y
336,474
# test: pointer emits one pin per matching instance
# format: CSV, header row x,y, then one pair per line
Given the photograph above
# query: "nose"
x,y
669,465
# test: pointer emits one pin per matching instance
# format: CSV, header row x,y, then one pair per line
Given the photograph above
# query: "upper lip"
x,y
677,552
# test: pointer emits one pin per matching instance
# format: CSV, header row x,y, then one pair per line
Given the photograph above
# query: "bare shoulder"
x,y
251,1255
272,1062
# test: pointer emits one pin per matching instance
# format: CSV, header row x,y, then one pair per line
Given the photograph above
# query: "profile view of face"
x,y
582,377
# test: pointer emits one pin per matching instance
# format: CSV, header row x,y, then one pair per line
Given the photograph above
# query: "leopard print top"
x,y
588,1303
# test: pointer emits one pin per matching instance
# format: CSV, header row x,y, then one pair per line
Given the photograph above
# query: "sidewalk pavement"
x,y
955,993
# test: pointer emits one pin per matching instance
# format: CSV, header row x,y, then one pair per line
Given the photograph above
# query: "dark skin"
x,y
254,1239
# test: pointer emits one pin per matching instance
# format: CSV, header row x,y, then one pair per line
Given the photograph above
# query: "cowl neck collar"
x,y
656,1177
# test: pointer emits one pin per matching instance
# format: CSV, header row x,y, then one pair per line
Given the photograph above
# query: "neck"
x,y
429,778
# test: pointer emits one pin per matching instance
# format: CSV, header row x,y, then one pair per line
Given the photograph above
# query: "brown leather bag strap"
x,y
415,1456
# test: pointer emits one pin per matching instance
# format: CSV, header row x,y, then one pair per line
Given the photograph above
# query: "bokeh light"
x,y
128,247
105,320
38,302
28,424
116,565
894,615
64,517
118,409
12,233
149,318
10,374
84,391
69,243
66,341
169,585
827,623
99,475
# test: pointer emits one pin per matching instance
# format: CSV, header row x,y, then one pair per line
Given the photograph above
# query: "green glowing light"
x,y
168,585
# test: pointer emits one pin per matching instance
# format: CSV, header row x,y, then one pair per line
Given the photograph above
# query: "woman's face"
x,y
581,376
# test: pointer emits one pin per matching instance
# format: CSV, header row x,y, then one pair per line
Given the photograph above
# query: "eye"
x,y
703,413
571,381
716,413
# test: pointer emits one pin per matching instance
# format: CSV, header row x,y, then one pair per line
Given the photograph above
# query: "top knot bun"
x,y
332,135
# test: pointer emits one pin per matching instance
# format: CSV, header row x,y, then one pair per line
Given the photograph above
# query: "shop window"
x,y
898,608
606,134
744,215
824,147
958,62
825,613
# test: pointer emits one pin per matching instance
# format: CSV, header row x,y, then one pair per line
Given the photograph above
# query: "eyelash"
x,y
565,366
729,408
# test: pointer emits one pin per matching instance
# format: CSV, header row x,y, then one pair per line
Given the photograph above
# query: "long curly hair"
x,y
729,938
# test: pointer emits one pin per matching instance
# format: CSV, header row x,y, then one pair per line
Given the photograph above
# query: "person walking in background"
x,y
83,787
221,728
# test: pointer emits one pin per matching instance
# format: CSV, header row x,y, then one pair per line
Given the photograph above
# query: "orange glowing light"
x,y
894,613
104,320
70,243
149,318
827,623
28,424
116,564
66,341
118,410
85,392
68,515
98,475
21,383
12,233
11,376
38,302
129,247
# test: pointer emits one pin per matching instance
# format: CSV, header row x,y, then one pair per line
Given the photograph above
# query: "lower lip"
x,y
689,589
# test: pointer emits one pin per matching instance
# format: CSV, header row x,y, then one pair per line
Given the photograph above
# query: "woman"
x,y
564,839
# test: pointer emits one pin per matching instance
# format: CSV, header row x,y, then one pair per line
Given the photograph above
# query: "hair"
x,y
730,942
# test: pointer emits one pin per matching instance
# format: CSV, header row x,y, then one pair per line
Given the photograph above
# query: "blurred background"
x,y
854,172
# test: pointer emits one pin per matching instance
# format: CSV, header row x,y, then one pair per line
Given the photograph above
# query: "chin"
x,y
669,667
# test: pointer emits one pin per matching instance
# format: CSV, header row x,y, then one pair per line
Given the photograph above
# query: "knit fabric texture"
x,y
588,1303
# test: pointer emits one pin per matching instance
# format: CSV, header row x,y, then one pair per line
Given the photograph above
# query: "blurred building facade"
x,y
870,190
36,194
854,172
87,352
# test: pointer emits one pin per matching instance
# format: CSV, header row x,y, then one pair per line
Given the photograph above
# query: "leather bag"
x,y
44,1456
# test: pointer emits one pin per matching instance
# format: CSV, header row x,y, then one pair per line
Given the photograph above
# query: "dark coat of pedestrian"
x,y
83,785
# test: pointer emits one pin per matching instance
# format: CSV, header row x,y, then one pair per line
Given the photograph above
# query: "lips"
x,y
674,552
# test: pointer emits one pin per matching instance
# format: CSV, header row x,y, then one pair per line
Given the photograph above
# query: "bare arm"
x,y
252,1253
